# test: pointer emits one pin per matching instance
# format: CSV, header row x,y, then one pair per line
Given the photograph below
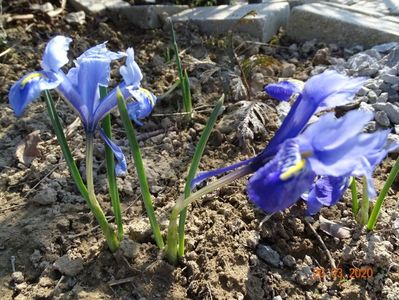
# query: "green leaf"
x,y
111,176
138,161
199,150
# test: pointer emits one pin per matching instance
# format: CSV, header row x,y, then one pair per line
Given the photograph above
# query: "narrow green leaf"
x,y
188,107
64,146
138,161
381,197
110,163
355,200
194,167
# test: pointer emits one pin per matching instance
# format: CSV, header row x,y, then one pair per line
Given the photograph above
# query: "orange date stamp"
x,y
342,273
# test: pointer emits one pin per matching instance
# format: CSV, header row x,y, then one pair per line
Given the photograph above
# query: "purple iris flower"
x,y
80,86
323,91
329,151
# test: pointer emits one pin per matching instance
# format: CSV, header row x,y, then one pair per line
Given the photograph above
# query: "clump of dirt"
x,y
48,234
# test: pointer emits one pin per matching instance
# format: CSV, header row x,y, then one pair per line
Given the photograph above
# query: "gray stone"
x,y
363,91
392,59
372,97
17,277
382,118
268,255
46,7
90,6
289,261
288,70
282,110
149,16
78,17
263,23
391,110
392,79
69,266
339,26
363,64
382,98
45,197
396,129
304,276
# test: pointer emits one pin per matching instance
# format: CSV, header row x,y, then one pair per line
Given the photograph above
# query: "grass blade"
x,y
134,145
110,163
194,167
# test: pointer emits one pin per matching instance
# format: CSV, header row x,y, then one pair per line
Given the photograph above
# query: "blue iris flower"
x,y
321,159
80,87
318,160
323,91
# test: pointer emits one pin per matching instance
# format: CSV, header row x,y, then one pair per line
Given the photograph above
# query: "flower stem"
x,y
112,240
355,200
182,203
112,184
138,161
381,197
364,209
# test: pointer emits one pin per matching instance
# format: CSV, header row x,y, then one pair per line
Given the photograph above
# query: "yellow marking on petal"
x,y
293,170
149,95
28,78
299,82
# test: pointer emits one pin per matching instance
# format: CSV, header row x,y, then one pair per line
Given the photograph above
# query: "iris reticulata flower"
x,y
80,87
314,162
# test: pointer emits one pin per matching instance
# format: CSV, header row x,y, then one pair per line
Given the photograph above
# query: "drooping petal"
x,y
283,90
131,72
142,106
327,191
121,166
56,53
280,183
28,89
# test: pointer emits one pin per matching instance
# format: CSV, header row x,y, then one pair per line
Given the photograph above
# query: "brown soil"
x,y
223,228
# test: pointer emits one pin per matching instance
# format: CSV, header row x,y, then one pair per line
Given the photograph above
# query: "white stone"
x,y
149,16
343,27
263,23
382,118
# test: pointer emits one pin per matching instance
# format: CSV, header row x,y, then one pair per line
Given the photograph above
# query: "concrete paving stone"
x,y
262,24
89,6
149,16
393,6
339,26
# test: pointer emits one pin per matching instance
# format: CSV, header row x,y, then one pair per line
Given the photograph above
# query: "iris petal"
x,y
121,166
327,190
283,90
100,52
324,90
131,72
55,54
143,106
269,191
91,74
28,89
